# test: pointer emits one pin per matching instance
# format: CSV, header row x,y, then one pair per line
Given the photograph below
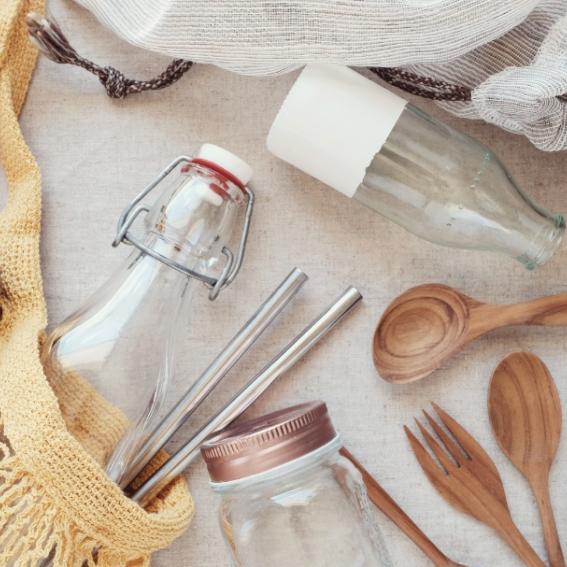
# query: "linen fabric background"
x,y
512,53
96,154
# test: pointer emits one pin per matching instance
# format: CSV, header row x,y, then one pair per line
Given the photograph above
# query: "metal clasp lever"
x,y
233,263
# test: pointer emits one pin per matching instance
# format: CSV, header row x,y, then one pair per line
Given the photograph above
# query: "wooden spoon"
x,y
425,325
525,413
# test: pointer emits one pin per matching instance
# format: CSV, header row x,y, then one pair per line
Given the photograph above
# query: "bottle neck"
x,y
542,244
176,252
194,220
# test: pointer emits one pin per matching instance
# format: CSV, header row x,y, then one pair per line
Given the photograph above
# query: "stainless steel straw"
x,y
216,371
310,336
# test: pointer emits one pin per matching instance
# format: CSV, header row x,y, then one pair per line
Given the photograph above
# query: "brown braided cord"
x,y
427,87
423,86
51,41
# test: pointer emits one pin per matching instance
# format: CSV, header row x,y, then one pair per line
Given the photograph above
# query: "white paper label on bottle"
x,y
332,124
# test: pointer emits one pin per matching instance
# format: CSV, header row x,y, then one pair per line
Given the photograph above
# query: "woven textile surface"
x,y
54,495
510,52
97,153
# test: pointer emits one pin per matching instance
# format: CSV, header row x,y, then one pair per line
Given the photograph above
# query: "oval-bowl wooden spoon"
x,y
525,412
427,324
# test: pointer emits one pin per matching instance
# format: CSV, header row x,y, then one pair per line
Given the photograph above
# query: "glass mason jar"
x,y
439,184
122,340
289,498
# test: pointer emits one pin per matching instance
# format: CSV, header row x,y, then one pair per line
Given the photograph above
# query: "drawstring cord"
x,y
47,36
425,87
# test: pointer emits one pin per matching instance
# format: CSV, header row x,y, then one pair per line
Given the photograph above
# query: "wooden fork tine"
x,y
468,443
479,461
436,448
429,466
452,447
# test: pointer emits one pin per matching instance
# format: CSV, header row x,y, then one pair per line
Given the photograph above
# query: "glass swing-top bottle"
x,y
121,341
439,184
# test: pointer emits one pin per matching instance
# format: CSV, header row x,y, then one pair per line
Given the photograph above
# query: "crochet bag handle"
x,y
55,499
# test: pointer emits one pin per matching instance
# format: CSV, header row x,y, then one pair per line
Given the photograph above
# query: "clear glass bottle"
x,y
122,339
439,184
288,497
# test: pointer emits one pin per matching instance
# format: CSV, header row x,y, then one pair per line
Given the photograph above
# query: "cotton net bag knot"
x,y
519,80
537,106
507,53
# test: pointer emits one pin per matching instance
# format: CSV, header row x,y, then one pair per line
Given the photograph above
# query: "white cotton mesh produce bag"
x,y
509,55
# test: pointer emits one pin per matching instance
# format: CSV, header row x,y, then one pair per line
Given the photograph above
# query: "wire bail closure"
x,y
233,263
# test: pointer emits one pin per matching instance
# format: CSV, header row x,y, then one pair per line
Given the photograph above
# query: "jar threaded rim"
x,y
267,442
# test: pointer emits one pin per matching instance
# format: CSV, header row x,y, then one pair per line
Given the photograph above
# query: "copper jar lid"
x,y
269,441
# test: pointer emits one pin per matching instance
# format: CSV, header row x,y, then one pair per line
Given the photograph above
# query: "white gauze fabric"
x,y
511,53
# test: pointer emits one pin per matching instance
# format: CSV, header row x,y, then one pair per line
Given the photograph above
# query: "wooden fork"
x,y
468,480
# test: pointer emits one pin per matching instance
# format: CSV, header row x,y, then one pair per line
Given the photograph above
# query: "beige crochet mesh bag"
x,y
54,495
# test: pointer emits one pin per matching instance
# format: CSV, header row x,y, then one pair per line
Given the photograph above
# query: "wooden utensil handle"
x,y
384,502
552,543
512,535
550,310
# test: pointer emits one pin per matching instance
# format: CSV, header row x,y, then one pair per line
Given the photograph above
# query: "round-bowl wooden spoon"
x,y
427,324
525,413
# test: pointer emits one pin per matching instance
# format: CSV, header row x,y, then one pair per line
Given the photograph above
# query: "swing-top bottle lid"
x,y
212,155
332,123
